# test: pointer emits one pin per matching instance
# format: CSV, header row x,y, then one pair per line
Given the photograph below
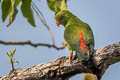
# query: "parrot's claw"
x,y
70,58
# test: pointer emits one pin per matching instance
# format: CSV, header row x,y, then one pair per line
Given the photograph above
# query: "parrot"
x,y
57,5
77,34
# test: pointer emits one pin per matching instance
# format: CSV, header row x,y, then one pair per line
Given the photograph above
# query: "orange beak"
x,y
57,23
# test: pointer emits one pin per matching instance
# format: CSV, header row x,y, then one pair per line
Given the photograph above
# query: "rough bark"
x,y
60,69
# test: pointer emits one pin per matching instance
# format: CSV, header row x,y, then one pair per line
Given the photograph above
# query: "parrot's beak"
x,y
57,23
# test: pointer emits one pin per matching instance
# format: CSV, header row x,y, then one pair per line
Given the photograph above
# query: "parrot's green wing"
x,y
57,5
71,36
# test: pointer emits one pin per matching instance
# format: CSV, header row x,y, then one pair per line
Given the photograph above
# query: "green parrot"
x,y
78,35
57,5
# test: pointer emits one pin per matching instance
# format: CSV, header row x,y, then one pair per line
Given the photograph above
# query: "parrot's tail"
x,y
82,56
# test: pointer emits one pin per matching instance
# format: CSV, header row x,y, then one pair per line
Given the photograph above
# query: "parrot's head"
x,y
62,17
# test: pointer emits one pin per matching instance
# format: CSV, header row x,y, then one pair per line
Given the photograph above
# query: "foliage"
x,y
27,11
12,61
9,8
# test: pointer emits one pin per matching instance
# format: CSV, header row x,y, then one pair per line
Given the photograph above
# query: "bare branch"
x,y
31,44
60,69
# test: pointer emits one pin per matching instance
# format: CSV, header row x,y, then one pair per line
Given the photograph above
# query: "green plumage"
x,y
73,26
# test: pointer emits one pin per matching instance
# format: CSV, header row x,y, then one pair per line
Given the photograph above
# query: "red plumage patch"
x,y
82,42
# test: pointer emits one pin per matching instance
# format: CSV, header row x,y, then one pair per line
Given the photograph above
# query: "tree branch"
x,y
60,69
31,44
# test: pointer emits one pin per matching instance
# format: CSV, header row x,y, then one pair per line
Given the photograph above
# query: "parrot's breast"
x,y
71,37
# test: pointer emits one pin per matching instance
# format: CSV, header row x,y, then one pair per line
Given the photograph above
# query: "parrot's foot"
x,y
70,58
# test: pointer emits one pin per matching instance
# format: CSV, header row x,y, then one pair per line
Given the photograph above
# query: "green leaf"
x,y
13,52
8,54
27,11
14,61
6,5
13,13
7,8
17,62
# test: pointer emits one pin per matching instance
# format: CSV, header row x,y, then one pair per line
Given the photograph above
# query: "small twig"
x,y
42,19
12,66
31,44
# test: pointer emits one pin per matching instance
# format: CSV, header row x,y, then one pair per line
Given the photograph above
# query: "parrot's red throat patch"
x,y
57,23
83,46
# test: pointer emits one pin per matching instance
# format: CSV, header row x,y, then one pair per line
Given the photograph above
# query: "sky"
x,y
103,16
